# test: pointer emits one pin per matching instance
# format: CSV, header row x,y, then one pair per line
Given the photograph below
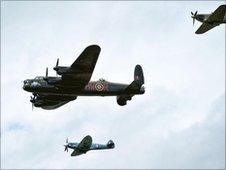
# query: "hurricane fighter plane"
x,y
53,92
210,21
86,145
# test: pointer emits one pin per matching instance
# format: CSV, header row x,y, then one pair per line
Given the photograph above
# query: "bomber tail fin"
x,y
138,74
138,79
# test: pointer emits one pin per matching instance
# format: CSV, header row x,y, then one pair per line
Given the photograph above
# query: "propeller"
x,y
46,71
32,106
57,63
193,15
32,100
66,146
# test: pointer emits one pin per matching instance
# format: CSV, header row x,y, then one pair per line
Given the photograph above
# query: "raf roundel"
x,y
99,87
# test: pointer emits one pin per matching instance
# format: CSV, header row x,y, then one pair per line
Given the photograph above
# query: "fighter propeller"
x,y
193,15
66,146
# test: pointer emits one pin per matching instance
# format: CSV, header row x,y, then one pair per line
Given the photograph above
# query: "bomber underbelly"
x,y
83,93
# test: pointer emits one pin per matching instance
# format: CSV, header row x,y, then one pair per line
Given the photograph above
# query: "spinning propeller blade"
x,y
32,100
66,146
193,15
57,63
46,71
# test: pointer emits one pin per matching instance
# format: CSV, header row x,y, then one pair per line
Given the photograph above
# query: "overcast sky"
x,y
178,123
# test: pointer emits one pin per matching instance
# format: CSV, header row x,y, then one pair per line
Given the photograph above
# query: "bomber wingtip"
x,y
94,46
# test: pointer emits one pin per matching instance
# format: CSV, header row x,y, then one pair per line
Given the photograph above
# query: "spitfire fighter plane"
x,y
53,92
86,145
210,21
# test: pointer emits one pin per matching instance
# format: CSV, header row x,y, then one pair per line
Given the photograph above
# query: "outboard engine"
x,y
110,144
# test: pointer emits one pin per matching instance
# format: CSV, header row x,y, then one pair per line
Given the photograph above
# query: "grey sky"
x,y
178,123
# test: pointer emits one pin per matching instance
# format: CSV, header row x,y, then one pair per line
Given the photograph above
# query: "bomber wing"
x,y
54,105
50,102
81,70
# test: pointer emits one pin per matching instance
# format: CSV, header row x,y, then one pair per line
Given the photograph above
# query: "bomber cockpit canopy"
x,y
102,80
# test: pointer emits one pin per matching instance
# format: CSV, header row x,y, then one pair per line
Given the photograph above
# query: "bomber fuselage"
x,y
94,88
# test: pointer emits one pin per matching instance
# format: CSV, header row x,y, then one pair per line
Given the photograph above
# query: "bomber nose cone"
x,y
25,84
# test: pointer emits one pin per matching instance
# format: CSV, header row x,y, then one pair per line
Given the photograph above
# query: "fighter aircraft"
x,y
210,20
53,92
86,145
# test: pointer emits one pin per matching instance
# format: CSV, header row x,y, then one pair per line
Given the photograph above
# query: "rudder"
x,y
138,74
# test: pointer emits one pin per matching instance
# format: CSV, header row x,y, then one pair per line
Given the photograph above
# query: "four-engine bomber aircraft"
x,y
53,92
210,20
86,145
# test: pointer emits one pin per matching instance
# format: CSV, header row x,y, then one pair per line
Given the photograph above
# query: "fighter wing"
x,y
85,144
205,27
218,14
76,153
81,70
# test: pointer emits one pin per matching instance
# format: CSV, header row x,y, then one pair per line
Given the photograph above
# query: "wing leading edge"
x,y
205,27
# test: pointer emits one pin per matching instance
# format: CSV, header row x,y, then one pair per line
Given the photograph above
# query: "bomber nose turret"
x,y
25,84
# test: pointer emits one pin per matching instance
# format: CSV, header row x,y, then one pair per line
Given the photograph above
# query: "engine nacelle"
x,y
61,70
121,101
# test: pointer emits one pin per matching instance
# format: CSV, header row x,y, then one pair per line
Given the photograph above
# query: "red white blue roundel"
x,y
99,87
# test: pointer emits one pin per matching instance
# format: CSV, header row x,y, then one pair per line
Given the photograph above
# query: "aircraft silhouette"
x,y
210,20
86,145
53,92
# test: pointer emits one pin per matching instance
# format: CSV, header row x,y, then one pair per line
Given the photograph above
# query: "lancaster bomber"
x,y
210,21
86,145
53,92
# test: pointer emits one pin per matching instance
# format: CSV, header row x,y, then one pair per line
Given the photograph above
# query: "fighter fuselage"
x,y
203,18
